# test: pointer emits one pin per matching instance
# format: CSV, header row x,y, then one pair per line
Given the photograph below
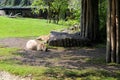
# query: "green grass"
x,y
7,64
25,27
22,70
52,73
7,51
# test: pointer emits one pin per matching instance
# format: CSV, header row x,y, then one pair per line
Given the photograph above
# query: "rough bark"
x,y
108,46
89,20
113,32
118,31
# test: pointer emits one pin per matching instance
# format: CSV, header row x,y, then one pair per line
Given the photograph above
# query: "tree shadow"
x,y
75,58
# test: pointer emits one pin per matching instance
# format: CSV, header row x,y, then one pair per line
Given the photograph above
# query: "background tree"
x,y
75,5
54,8
42,4
102,20
89,20
113,31
59,6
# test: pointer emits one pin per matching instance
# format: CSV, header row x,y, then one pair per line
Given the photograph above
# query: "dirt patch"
x,y
14,42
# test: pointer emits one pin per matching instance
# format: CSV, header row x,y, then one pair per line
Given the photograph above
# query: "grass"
x,y
25,27
7,51
22,70
7,64
52,73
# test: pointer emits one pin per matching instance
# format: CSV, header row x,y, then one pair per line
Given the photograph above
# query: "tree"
x,y
75,5
89,20
42,4
102,19
58,6
54,8
113,32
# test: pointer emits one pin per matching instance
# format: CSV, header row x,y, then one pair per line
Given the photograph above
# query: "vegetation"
x,y
25,27
53,73
102,19
54,8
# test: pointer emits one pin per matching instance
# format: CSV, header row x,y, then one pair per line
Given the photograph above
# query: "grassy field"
x,y
53,73
25,27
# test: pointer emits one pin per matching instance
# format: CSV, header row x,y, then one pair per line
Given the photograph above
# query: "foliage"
x,y
54,8
25,27
40,5
103,18
75,5
69,22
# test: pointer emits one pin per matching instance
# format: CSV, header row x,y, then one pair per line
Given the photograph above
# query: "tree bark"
x,y
118,31
113,32
89,20
108,46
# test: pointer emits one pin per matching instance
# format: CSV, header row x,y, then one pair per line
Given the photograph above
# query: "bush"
x,y
69,22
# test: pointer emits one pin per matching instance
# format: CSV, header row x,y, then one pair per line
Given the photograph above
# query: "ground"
x,y
68,58
75,58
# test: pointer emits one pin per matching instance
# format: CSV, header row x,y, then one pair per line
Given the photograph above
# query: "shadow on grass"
x,y
85,74
72,59
69,64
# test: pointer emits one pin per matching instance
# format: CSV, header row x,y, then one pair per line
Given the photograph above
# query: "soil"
x,y
75,58
14,42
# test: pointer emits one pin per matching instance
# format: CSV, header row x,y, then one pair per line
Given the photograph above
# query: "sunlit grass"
x,y
25,27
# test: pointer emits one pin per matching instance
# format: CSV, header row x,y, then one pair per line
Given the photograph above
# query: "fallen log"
x,y
67,40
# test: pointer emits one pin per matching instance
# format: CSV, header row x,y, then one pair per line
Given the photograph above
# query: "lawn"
x,y
53,73
25,27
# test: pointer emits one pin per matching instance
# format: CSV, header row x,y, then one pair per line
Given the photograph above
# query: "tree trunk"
x,y
113,32
118,31
89,20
